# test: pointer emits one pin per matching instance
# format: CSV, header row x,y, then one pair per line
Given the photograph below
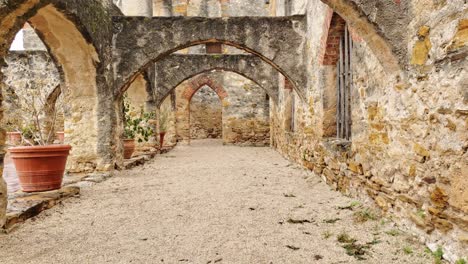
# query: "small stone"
x,y
420,150
439,197
424,31
417,220
381,202
443,225
355,167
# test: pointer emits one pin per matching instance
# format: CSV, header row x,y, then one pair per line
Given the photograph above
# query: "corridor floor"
x,y
209,203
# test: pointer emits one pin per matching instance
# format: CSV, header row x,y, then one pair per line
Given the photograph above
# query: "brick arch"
x,y
200,81
330,42
384,37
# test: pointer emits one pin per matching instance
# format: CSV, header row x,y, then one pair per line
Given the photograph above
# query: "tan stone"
x,y
421,47
443,225
451,125
439,197
434,211
463,239
329,175
409,199
419,221
461,37
355,167
373,111
420,150
458,191
379,138
412,171
424,31
381,202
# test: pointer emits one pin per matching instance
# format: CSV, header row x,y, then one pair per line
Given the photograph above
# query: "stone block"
x,y
439,197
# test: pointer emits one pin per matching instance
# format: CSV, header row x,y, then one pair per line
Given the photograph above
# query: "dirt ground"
x,y
208,203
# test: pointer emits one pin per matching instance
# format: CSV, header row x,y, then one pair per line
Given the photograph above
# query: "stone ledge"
x,y
145,157
27,205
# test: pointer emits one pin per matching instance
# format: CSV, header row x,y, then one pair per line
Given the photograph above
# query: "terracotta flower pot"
x,y
60,136
40,168
129,148
161,139
14,138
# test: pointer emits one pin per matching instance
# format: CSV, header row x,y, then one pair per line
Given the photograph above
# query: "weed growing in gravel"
x,y
327,234
438,254
352,247
351,206
365,215
345,238
393,232
460,261
408,250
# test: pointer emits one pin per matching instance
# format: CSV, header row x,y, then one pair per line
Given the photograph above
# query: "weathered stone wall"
x,y
206,114
245,108
245,112
26,71
408,147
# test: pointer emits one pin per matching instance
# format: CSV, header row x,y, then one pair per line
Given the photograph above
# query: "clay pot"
x,y
40,168
14,138
60,136
161,139
129,148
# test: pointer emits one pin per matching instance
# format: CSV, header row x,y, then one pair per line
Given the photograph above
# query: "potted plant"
x,y
136,127
40,165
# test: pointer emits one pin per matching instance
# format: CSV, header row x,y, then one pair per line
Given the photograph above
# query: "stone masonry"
x,y
408,101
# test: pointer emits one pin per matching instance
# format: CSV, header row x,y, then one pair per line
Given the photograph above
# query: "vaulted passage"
x,y
201,203
232,131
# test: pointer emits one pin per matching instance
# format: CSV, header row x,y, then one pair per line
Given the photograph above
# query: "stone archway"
x,y
279,41
63,27
175,69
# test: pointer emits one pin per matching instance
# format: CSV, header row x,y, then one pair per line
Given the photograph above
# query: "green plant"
x,y
352,247
421,213
393,232
365,215
345,238
327,234
460,261
136,124
351,206
438,255
407,250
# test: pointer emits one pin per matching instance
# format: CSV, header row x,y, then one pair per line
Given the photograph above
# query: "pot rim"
x,y
46,148
14,133
128,139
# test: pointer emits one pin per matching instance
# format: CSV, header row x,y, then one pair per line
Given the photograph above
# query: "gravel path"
x,y
209,203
